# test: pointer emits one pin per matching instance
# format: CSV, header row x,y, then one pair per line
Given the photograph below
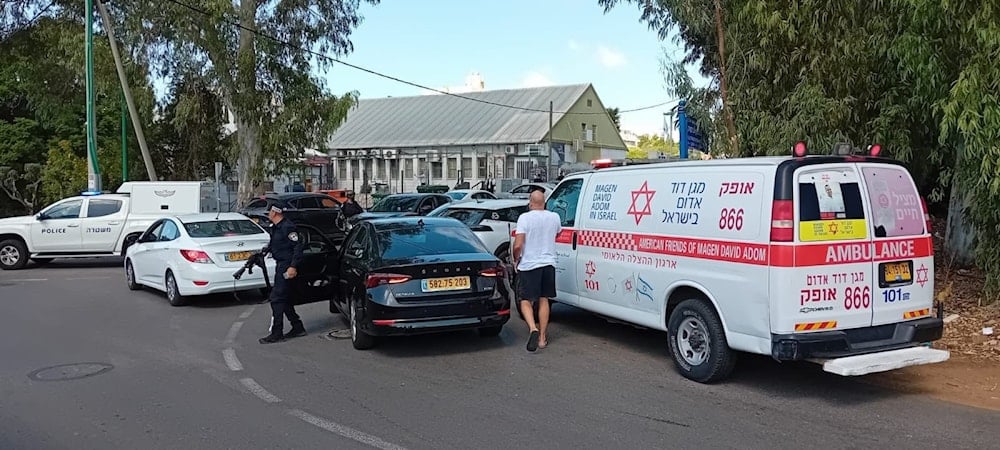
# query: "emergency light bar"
x,y
90,193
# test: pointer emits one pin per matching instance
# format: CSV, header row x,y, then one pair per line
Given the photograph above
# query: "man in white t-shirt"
x,y
535,260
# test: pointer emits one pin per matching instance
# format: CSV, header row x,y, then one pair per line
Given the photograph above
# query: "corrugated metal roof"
x,y
440,120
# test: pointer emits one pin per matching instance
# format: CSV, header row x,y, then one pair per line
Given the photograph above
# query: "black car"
x,y
412,275
399,205
320,211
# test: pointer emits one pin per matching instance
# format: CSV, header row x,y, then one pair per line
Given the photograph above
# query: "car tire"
x,y
41,261
13,254
488,332
359,339
130,277
173,294
698,343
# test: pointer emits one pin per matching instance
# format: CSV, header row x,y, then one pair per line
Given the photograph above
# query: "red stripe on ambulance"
x,y
777,255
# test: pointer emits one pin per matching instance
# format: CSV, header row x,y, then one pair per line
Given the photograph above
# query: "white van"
x,y
820,258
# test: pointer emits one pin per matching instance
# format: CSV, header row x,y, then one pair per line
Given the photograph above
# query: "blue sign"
x,y
690,135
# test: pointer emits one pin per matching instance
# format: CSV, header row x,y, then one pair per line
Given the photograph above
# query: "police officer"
x,y
351,206
286,249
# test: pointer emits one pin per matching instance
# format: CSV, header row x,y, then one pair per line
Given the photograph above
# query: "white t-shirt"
x,y
540,228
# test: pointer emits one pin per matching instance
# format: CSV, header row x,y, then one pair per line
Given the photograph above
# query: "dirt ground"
x,y
972,375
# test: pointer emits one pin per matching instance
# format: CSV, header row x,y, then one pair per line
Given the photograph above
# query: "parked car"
x,y
197,254
460,195
524,190
491,221
98,224
412,275
398,205
320,211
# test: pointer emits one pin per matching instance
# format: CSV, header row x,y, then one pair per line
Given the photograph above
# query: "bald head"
x,y
536,200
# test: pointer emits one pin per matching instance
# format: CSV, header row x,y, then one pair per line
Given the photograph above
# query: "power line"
x,y
397,79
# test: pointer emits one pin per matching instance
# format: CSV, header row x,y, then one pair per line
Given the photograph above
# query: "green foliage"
x,y
616,117
64,174
648,144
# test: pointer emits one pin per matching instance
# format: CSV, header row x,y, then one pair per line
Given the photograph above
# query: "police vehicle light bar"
x,y
90,193
874,149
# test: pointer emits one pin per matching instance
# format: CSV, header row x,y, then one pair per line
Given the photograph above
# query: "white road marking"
x,y
259,390
87,278
29,279
248,312
233,331
345,431
231,360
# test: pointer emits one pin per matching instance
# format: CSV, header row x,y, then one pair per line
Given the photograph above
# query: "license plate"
x,y
445,284
238,256
898,272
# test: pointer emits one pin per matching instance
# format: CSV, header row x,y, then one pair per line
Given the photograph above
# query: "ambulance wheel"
x,y
13,254
698,342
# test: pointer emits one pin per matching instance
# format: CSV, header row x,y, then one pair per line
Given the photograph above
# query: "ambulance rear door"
x,y
833,251
903,280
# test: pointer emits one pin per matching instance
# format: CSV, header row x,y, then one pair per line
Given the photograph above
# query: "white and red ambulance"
x,y
820,258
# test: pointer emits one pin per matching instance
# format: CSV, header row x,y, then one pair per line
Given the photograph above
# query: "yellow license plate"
x,y
897,272
445,284
238,256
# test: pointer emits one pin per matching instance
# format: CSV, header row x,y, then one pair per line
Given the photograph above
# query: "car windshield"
x,y
222,228
396,204
470,217
415,240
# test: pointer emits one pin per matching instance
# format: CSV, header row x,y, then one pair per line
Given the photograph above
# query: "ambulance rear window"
x,y
830,202
895,202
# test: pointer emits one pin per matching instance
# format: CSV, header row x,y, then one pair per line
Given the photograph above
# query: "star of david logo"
x,y
591,269
833,228
639,212
922,275
628,285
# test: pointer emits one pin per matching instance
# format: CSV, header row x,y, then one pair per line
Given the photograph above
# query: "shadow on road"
x,y
438,344
791,380
83,263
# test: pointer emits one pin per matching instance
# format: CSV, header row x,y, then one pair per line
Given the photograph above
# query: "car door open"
x,y
317,274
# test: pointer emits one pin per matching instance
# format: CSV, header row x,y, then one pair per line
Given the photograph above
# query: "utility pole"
x,y
93,170
124,140
136,123
548,153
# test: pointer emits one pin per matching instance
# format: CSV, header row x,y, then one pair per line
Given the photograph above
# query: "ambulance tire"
x,y
702,354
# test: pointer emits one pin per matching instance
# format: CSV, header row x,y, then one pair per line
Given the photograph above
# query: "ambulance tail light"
x,y
783,221
927,215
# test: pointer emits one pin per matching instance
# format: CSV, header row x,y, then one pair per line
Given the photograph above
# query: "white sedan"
x,y
197,254
461,195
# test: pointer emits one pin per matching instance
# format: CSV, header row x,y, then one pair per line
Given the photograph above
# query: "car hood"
x,y
19,220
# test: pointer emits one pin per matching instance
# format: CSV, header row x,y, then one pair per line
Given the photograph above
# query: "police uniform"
x,y
286,249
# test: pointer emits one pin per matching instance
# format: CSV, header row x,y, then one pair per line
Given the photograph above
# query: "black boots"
x,y
271,338
297,330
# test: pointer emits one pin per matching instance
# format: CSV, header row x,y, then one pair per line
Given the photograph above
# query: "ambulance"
x,y
824,258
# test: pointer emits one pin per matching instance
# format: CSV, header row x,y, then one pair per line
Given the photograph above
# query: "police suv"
x,y
820,258
98,224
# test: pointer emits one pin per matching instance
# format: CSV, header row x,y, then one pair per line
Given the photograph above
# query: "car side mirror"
x,y
41,217
482,228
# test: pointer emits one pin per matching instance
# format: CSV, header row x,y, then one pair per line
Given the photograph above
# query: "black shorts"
x,y
536,283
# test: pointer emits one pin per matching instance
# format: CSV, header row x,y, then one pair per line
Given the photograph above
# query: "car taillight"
x,y
378,279
927,215
196,256
783,221
495,272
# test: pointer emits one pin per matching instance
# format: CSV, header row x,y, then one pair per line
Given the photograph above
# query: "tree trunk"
x,y
734,145
246,106
960,238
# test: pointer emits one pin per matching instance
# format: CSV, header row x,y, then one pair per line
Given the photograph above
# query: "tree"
x,y
616,117
649,144
192,138
258,56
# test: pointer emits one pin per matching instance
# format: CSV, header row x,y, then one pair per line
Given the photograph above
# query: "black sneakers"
x,y
295,332
271,338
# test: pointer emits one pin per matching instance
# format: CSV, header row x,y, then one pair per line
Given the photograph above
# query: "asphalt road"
x,y
195,377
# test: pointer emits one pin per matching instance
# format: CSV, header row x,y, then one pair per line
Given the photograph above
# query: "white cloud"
x,y
609,57
536,79
573,45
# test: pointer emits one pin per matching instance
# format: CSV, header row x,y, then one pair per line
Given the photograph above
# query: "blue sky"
x,y
511,43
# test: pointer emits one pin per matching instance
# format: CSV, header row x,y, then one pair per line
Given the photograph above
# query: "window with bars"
x,y
408,167
436,169
452,168
467,167
342,169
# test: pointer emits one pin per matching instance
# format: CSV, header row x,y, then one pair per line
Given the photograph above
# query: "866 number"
x,y
857,297
731,219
